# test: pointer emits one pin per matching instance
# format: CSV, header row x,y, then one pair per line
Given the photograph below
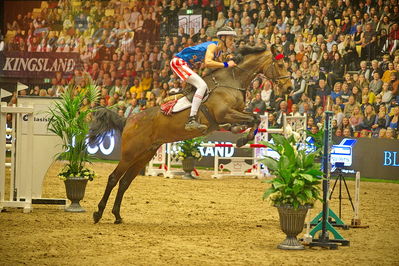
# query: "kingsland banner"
x,y
36,64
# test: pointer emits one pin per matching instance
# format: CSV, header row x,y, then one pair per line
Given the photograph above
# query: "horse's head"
x,y
269,63
278,73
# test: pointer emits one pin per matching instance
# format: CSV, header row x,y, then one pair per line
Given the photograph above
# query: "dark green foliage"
x,y
297,175
70,123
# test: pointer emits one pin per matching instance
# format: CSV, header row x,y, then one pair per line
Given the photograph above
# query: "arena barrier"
x,y
251,166
17,197
32,151
167,160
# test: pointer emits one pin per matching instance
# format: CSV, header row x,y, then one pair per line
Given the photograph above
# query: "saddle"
x,y
180,100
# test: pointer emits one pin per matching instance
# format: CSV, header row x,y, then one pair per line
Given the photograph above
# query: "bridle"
x,y
275,78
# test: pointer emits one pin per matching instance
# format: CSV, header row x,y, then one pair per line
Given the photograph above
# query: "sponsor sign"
x,y
36,64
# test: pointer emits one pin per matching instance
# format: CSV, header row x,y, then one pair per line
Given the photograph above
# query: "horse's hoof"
x,y
96,217
118,221
241,142
237,129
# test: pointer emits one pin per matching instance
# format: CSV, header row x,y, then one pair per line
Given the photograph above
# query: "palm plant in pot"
x,y
189,154
70,123
294,188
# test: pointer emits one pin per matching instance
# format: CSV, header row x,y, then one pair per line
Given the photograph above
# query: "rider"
x,y
210,53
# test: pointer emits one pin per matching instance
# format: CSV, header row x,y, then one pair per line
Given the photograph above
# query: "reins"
x,y
253,74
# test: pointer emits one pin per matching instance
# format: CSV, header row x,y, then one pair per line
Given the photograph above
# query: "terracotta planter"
x,y
188,165
75,190
291,223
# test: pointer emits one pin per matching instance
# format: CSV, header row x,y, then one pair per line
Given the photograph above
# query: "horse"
x,y
143,133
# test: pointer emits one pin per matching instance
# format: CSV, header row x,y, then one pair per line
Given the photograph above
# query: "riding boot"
x,y
192,124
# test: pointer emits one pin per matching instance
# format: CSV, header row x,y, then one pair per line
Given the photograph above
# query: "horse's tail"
x,y
104,120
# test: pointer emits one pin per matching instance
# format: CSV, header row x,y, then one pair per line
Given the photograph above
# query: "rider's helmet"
x,y
226,31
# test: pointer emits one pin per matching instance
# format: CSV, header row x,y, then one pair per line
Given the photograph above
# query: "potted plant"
x,y
189,154
69,121
294,188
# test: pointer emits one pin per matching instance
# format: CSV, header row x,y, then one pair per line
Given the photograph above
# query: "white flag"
x,y
21,86
4,93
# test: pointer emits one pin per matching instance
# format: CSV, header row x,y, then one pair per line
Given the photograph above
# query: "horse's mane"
x,y
243,51
250,50
239,55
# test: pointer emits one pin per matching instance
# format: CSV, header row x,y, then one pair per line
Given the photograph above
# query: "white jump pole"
x,y
17,180
356,219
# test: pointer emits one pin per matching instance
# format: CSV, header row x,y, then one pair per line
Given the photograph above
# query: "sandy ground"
x,y
185,222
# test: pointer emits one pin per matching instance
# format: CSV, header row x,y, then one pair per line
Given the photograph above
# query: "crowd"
x,y
343,55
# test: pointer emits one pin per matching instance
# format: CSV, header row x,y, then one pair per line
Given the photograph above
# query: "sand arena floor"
x,y
181,222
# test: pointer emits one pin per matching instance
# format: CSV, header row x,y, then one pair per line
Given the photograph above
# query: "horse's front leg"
x,y
237,117
252,132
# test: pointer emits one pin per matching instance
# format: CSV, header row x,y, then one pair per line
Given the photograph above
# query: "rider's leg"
x,y
185,73
201,86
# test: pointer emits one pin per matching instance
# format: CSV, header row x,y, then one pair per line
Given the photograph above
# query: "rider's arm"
x,y
209,58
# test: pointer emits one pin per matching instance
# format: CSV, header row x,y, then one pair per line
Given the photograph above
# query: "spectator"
x,y
347,133
382,133
346,125
336,91
272,123
257,105
212,29
390,133
294,110
375,68
357,94
299,84
338,115
337,70
221,20
394,85
369,43
350,106
386,94
282,110
267,94
319,115
356,119
381,122
394,119
386,77
376,84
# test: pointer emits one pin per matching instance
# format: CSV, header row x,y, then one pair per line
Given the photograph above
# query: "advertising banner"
x,y
374,158
20,64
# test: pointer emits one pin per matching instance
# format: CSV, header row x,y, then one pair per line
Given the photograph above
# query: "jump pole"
x,y
239,167
356,222
246,146
324,225
16,198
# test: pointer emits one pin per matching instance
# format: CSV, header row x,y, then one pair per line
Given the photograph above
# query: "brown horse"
x,y
144,133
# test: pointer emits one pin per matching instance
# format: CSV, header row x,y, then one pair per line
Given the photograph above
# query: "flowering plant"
x,y
297,175
85,173
190,148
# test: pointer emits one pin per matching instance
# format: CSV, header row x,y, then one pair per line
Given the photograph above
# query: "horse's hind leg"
x,y
126,180
113,179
